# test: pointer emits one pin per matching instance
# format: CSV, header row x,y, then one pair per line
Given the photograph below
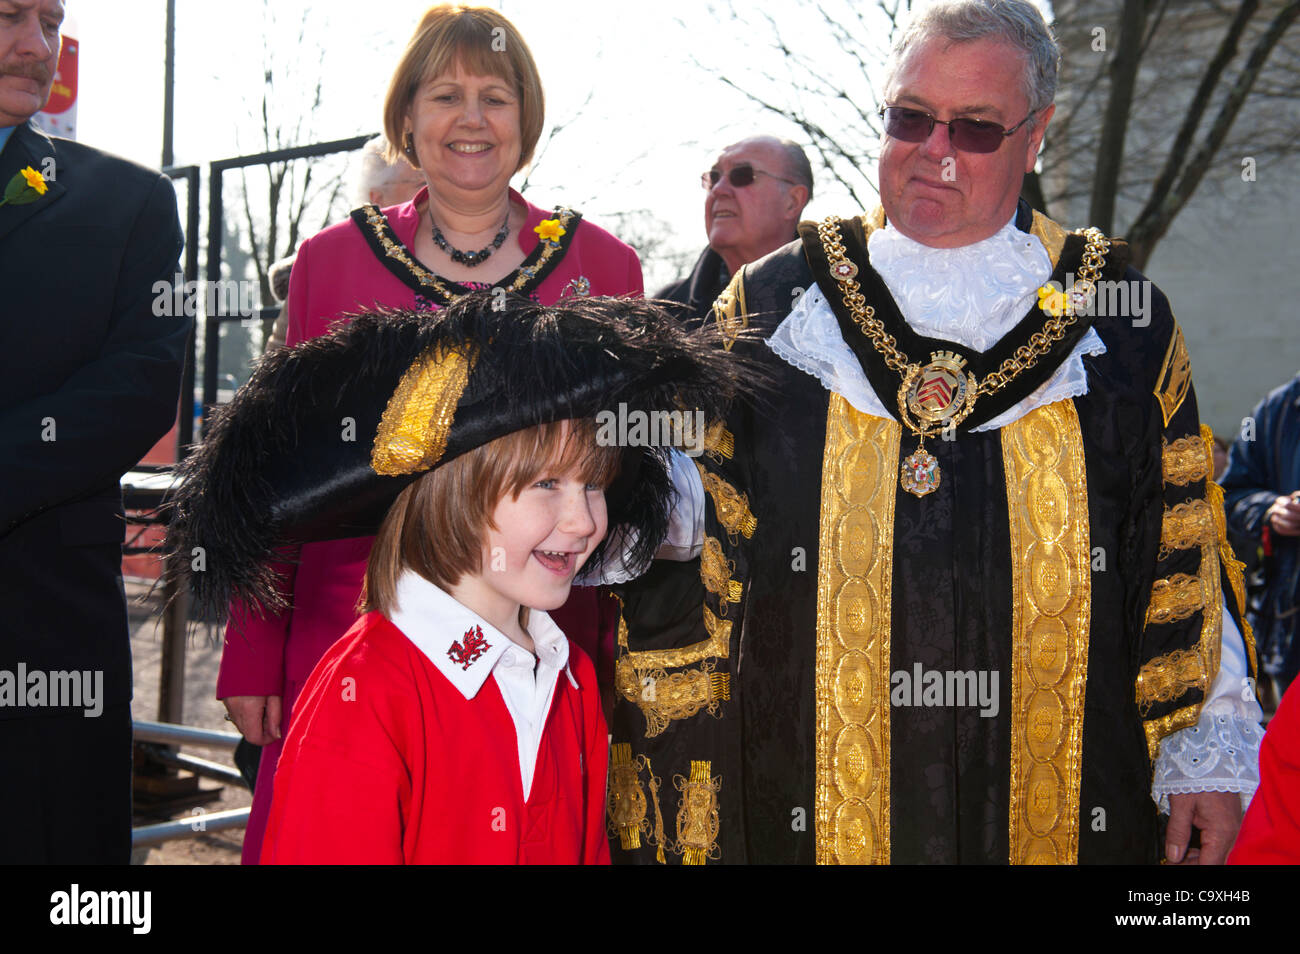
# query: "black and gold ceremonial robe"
x,y
809,690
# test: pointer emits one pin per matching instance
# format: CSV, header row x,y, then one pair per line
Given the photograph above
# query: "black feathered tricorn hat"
x,y
324,436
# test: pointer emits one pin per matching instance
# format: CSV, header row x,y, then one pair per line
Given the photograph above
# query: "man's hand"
x,y
1284,516
1216,814
257,717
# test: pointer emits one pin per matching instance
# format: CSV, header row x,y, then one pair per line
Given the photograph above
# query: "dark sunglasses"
x,y
968,135
739,177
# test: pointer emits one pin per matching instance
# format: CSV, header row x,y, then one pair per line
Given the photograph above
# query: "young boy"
x,y
453,722
423,735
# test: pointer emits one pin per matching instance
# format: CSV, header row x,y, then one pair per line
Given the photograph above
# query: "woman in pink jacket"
x,y
467,113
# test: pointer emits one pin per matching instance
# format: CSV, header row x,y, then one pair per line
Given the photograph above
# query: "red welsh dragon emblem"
x,y
464,654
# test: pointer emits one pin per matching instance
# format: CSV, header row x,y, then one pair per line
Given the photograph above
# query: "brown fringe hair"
x,y
454,33
436,526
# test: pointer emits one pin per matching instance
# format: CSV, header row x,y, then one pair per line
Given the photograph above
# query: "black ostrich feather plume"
x,y
288,461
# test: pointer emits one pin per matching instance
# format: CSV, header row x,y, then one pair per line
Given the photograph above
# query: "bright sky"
x,y
655,120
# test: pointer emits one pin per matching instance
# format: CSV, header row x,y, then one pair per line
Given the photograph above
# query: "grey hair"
x,y
1017,22
375,171
797,164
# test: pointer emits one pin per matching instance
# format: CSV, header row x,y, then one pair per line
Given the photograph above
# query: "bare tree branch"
x,y
1200,102
1177,63
540,154
1115,123
1155,218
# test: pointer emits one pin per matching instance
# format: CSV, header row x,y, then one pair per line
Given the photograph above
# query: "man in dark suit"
x,y
91,382
755,196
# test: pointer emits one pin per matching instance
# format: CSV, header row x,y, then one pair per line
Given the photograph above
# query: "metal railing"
x,y
160,737
201,823
185,426
216,225
163,739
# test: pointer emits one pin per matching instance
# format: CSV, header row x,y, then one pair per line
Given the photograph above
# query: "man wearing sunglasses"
x,y
755,195
964,572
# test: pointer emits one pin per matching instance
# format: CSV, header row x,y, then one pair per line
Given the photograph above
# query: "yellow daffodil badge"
x,y
549,230
25,187
1053,301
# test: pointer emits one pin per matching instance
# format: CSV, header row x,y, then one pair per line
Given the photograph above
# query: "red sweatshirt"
x,y
388,762
1270,832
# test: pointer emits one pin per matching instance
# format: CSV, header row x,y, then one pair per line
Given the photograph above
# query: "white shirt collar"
x,y
462,645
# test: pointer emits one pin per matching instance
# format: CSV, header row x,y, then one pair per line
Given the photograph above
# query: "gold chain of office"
x,y
1025,357
941,394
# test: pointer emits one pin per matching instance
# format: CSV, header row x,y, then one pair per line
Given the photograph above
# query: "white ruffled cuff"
x,y
615,568
1218,754
685,537
1221,752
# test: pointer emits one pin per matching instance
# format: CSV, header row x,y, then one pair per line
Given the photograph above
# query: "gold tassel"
x,y
659,818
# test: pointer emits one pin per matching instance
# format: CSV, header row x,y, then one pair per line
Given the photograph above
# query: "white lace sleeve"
x,y
1221,752
685,537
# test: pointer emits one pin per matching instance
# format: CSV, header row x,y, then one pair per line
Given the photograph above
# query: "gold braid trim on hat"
x,y
413,432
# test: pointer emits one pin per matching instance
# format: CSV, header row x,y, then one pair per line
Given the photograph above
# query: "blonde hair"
x,y
436,526
481,41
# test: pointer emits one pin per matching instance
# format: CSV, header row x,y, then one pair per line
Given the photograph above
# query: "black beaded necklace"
x,y
469,259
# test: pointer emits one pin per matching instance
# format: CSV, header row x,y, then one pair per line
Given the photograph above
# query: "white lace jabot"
x,y
972,295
